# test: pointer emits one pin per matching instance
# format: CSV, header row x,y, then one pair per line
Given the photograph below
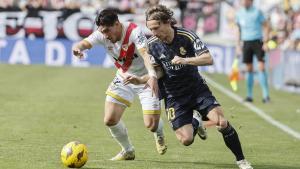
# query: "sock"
x,y
119,133
195,124
232,141
250,81
159,130
264,83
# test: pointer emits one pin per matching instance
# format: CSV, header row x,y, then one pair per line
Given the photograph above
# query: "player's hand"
x,y
179,60
77,52
238,50
153,84
128,78
265,46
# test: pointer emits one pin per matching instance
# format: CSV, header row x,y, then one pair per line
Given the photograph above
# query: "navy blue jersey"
x,y
178,80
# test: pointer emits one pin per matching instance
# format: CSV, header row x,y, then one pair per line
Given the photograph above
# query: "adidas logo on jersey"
x,y
162,56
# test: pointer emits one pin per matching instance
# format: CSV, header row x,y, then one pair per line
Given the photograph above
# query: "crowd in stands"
x,y
284,17
284,20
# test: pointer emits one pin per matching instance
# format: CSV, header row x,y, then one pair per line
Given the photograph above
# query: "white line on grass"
x,y
256,110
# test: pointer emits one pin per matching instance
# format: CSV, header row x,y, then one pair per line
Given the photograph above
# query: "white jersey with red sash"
x,y
124,53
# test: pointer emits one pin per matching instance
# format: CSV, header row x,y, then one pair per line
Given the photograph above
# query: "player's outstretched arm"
x,y
79,47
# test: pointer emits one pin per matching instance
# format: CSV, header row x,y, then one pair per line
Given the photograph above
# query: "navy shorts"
x,y
251,48
179,110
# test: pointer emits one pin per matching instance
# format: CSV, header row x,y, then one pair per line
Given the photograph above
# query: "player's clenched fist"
x,y
77,52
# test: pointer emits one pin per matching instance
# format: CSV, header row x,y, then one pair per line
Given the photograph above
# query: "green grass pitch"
x,y
43,108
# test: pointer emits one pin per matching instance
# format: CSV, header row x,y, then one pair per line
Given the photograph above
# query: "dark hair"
x,y
106,17
160,13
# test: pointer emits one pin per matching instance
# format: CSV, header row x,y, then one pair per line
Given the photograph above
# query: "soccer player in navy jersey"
x,y
176,53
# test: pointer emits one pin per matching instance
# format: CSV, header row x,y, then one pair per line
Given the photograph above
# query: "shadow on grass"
x,y
218,165
189,164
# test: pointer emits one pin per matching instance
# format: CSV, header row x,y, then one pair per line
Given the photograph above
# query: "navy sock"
x,y
232,141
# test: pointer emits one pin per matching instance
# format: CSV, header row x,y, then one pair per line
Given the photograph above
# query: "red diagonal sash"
x,y
126,55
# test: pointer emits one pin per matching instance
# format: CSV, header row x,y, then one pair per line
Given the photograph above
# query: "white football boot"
x,y
124,155
201,129
161,146
244,164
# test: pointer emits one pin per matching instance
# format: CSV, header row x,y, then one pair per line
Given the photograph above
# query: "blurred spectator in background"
x,y
8,5
251,26
57,4
295,35
202,16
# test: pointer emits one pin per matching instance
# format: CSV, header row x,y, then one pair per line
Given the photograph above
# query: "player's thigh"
x,y
150,105
206,102
120,92
216,115
179,112
185,133
248,52
119,96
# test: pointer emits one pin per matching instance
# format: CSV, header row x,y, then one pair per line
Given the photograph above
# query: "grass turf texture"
x,y
43,108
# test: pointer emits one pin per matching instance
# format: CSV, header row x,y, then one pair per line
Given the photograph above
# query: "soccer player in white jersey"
x,y
126,44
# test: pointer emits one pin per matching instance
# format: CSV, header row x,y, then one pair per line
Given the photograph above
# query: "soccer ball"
x,y
74,154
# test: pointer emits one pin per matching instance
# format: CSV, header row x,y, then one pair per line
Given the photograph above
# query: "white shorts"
x,y
122,94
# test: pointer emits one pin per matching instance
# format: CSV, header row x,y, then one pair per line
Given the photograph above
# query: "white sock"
x,y
159,130
119,133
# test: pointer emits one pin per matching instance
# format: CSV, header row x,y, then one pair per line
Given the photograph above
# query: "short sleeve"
x,y
139,38
95,38
199,47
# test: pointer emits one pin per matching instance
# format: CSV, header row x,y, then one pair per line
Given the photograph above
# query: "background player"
x,y
251,23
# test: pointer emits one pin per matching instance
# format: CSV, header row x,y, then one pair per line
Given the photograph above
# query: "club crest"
x,y
182,51
125,47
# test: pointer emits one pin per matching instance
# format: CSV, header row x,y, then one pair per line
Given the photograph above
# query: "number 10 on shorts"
x,y
171,113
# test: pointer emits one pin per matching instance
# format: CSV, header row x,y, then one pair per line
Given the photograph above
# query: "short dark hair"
x,y
160,13
106,17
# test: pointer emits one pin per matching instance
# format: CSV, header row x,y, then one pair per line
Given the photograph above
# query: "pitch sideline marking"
x,y
255,109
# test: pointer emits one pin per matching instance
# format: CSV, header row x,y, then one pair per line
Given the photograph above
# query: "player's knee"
x,y
223,123
151,125
109,121
187,141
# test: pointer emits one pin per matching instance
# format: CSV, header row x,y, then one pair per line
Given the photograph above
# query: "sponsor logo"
x,y
198,44
141,39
